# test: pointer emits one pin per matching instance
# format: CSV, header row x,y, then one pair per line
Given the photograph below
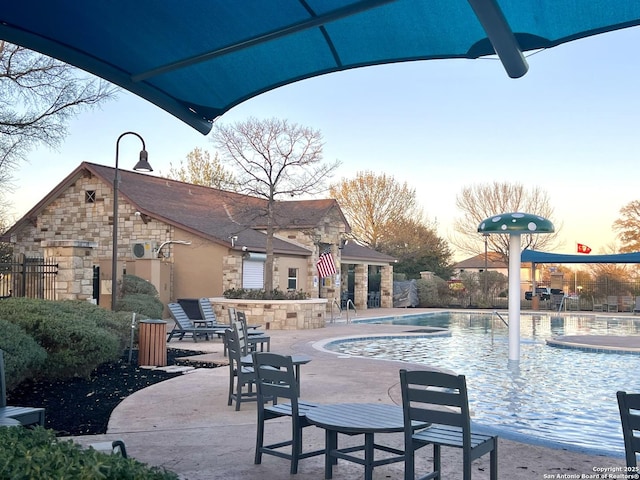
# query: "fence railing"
x,y
31,277
589,293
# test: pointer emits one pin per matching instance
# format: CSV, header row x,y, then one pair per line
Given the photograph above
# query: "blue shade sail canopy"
x,y
537,256
199,58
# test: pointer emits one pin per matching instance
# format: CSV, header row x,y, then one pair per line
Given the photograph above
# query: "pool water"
x,y
556,396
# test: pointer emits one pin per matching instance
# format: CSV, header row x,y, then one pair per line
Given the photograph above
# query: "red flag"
x,y
326,266
583,248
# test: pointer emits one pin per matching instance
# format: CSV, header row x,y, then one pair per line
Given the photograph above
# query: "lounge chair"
x,y
184,325
275,378
25,415
208,315
440,399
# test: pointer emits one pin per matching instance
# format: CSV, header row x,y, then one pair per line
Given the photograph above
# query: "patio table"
x,y
358,419
296,359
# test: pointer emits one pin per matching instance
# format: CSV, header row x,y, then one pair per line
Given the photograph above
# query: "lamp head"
x,y
143,164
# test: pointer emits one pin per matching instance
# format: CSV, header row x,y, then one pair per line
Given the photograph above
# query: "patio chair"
x,y
441,400
275,378
184,326
232,315
629,405
636,308
598,306
627,303
612,303
253,337
239,376
25,415
251,329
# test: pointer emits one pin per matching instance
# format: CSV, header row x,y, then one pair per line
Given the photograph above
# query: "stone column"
x,y
386,286
361,286
75,267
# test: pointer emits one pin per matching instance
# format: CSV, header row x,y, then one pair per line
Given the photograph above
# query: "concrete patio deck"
x,y
185,425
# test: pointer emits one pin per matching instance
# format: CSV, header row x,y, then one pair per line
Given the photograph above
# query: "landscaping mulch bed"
x,y
82,406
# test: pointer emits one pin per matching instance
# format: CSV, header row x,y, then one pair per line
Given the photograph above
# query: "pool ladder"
x,y
495,312
349,302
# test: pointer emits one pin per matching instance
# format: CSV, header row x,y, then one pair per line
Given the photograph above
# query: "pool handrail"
x,y
347,308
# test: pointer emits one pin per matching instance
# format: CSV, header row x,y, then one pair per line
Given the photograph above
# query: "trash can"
x,y
152,343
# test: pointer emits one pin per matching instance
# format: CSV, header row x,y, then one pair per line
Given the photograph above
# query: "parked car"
x,y
544,293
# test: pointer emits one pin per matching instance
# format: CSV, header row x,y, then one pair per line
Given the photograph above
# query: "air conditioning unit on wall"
x,y
147,249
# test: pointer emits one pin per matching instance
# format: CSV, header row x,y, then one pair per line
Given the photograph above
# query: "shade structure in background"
x,y
515,224
196,60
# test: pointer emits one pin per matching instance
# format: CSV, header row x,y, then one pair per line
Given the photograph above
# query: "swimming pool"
x,y
556,396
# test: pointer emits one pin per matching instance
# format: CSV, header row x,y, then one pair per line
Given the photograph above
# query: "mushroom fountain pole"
x,y
515,224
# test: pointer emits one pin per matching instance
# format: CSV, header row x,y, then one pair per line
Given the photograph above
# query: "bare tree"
x,y
478,202
200,169
628,227
374,202
38,95
273,158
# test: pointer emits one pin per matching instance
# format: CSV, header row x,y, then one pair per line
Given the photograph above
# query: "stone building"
x,y
190,241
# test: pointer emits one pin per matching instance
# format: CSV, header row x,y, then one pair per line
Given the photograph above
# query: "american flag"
x,y
326,266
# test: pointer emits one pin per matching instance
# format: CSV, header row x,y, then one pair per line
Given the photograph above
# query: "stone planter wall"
x,y
276,314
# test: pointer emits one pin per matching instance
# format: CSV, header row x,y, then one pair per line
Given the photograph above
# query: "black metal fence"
x,y
588,294
31,277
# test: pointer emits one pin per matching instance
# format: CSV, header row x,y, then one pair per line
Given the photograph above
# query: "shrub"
x,y
150,307
433,292
37,453
115,322
139,296
68,331
130,285
275,294
22,354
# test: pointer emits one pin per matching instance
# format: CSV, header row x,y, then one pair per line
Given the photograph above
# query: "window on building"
x,y
292,279
253,271
90,196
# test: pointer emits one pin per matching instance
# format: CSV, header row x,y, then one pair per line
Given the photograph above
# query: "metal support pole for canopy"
x,y
514,296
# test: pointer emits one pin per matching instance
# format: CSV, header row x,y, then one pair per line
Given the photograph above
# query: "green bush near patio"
x,y
140,296
36,453
22,354
254,294
77,336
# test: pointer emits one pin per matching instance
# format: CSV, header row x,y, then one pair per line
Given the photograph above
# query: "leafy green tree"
x,y
418,248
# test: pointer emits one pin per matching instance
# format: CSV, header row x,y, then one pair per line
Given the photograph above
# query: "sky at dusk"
x,y
569,126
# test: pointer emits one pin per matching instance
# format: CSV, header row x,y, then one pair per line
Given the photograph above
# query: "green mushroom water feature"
x,y
515,224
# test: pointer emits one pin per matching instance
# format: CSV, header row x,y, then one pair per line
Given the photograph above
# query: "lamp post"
x,y
142,165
